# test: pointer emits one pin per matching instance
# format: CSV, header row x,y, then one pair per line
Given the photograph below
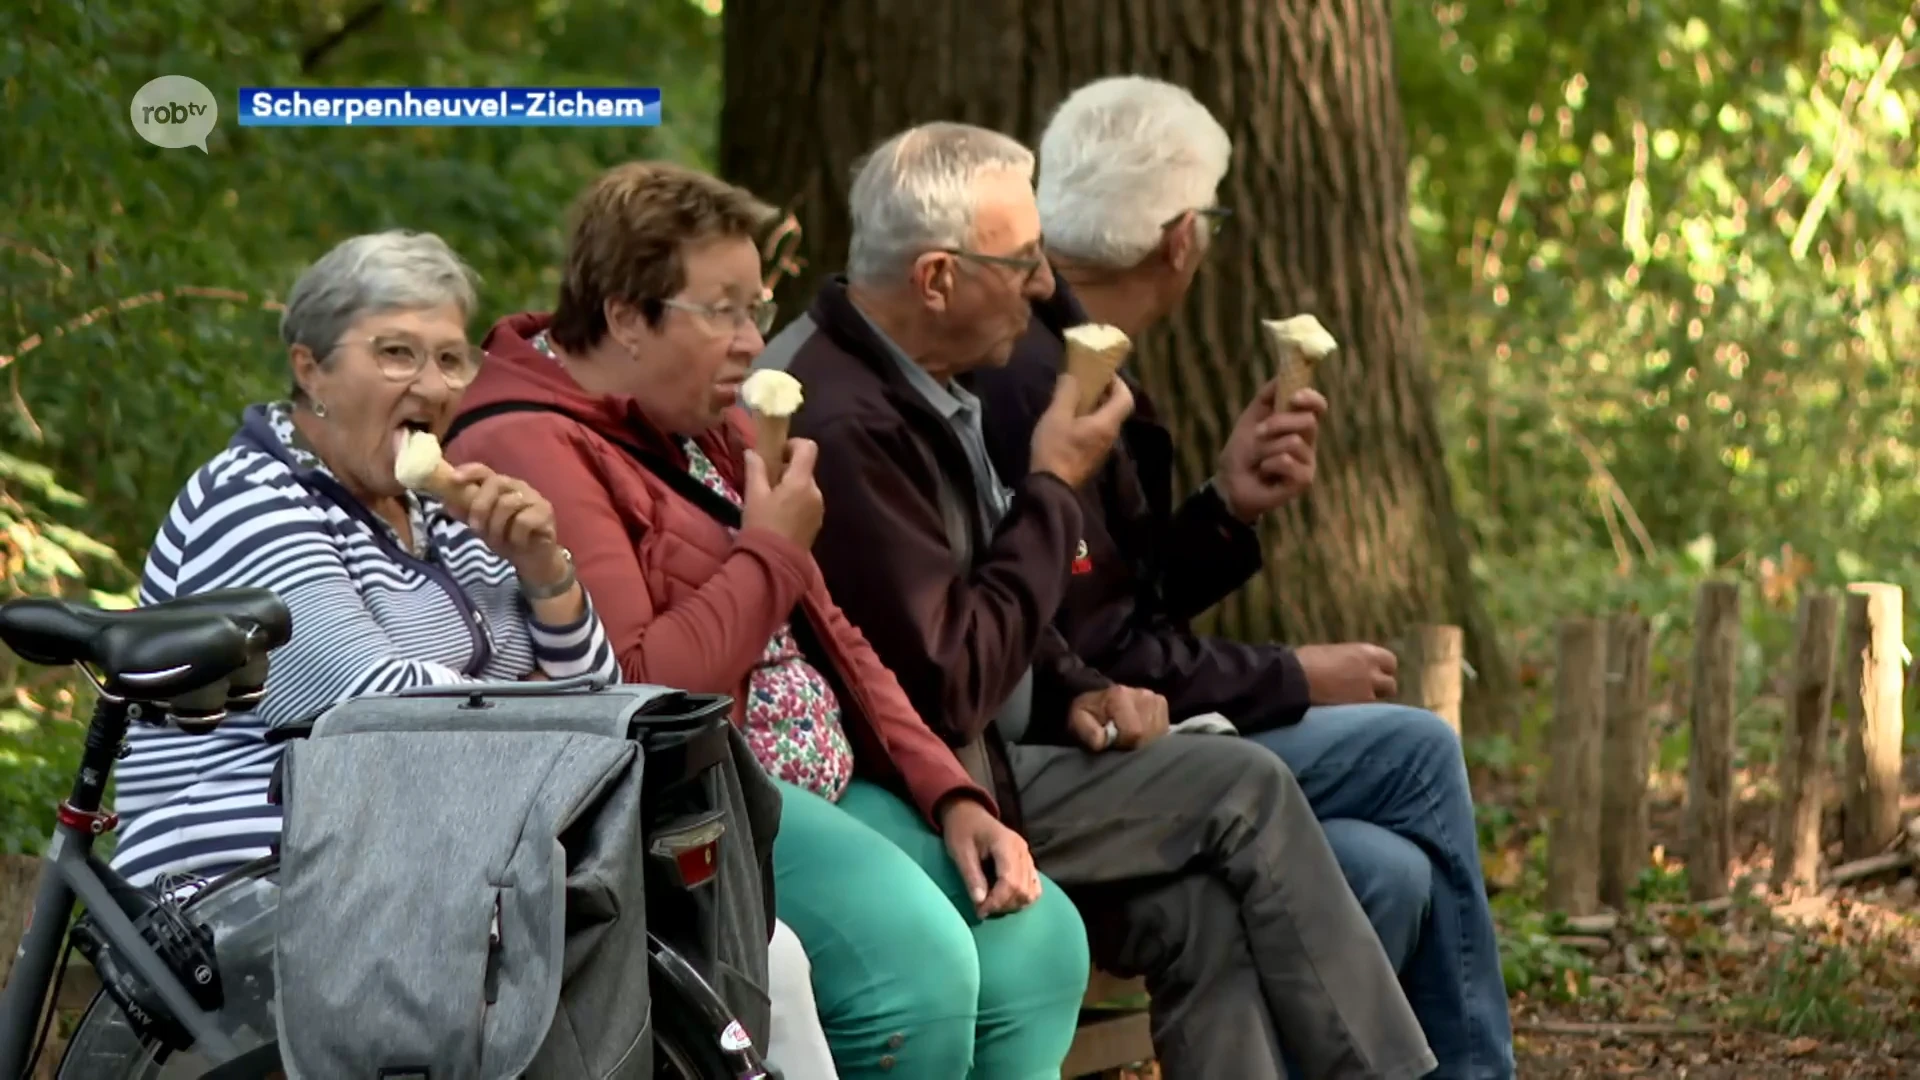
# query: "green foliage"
x,y
137,284
126,405
1533,959
1670,258
39,737
1813,988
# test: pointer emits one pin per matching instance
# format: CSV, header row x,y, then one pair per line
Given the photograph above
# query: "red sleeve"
x,y
928,766
704,644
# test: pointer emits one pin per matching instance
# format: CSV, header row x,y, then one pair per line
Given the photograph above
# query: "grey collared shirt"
x,y
961,409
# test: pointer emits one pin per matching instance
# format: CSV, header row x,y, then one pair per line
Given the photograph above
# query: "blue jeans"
x,y
1389,783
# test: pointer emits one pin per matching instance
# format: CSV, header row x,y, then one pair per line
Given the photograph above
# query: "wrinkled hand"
x,y
1269,458
793,507
1350,674
1073,447
1138,717
514,520
975,840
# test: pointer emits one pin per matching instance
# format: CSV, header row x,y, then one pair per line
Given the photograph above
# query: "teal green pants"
x,y
911,985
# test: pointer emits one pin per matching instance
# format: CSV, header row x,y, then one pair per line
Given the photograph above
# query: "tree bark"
x,y
1318,183
1431,675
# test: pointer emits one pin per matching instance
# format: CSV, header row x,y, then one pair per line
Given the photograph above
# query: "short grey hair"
x,y
918,192
1120,158
387,271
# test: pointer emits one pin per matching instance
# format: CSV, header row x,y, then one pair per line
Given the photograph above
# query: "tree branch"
x,y
355,23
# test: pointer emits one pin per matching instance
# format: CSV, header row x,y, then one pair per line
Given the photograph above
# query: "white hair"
x,y
918,193
1120,158
387,271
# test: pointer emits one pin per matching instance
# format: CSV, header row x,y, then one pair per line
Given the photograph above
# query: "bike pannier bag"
x,y
462,878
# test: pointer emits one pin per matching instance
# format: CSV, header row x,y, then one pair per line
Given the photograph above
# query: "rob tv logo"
x,y
174,111
171,113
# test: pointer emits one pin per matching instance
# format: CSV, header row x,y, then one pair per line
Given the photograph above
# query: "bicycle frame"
x,y
71,873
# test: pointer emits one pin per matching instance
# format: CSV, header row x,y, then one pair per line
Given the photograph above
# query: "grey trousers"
x,y
1198,864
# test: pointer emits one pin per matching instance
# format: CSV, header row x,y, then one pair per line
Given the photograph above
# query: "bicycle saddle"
x,y
198,655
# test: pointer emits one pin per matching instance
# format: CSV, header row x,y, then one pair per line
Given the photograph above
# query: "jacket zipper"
x,y
256,431
476,622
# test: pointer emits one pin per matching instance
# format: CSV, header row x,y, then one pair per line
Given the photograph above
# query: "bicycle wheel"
x,y
684,1047
240,907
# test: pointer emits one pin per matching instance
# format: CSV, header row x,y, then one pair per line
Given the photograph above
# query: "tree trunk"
x,y
1318,183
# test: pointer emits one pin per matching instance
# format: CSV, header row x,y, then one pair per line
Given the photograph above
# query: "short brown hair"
x,y
630,229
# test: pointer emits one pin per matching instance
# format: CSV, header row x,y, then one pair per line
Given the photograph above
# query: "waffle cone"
x,y
442,485
1092,373
1292,372
770,438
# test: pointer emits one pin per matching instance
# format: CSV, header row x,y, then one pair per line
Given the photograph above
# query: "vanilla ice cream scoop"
x,y
771,393
418,460
1299,344
1108,341
772,397
1302,332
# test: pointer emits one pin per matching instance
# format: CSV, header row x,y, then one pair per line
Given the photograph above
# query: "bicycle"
x,y
187,974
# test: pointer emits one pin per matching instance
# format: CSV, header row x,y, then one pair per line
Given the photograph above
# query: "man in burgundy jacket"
x,y
1195,857
1128,172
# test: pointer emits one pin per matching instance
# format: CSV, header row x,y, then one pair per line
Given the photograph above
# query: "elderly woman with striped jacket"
x,y
388,588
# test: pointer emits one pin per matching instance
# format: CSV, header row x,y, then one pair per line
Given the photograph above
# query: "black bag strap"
x,y
717,506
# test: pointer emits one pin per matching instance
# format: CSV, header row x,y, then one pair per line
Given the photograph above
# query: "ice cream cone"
x,y
442,485
770,437
1094,353
1299,344
419,466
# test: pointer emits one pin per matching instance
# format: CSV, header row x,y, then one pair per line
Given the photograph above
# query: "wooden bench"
x,y
1110,1037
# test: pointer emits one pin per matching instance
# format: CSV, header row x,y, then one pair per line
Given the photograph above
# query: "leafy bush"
x,y
137,285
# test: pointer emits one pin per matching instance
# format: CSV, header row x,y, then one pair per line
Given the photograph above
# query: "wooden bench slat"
x,y
1104,987
1110,1043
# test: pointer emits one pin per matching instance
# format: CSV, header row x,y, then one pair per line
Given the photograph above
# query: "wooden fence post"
x,y
1871,678
1433,673
1709,814
1803,766
1573,806
1623,769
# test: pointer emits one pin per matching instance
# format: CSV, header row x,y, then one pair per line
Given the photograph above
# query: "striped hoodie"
x,y
369,617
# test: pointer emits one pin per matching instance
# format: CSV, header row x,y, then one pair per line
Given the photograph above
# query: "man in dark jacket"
x,y
1197,859
1128,173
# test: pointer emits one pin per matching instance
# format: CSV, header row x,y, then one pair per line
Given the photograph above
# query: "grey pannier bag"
x,y
463,882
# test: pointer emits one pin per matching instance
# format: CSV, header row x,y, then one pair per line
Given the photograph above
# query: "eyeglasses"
x,y
402,358
726,317
1026,265
1215,216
